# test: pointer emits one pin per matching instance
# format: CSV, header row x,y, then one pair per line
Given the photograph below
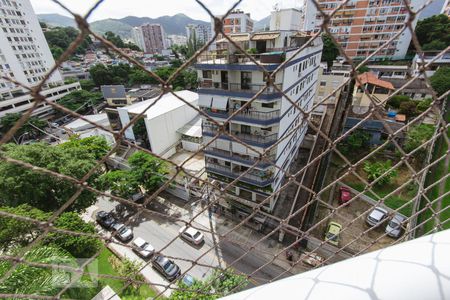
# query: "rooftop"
x,y
113,91
167,103
371,78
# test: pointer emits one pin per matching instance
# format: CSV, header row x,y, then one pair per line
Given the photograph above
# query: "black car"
x,y
166,267
105,219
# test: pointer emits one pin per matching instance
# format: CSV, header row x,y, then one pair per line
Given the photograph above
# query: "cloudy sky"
x,y
155,8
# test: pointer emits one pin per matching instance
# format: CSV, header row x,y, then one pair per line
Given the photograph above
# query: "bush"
x,y
397,100
375,170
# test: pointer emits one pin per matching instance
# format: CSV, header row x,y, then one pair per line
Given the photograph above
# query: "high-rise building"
x,y
235,22
227,82
202,32
362,26
446,8
138,37
150,38
25,57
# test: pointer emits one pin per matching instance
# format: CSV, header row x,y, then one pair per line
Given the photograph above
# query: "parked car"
x,y
332,233
394,227
344,195
188,280
105,219
376,216
192,235
142,248
312,259
166,267
124,234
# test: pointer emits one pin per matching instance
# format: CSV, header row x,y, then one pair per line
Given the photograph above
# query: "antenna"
x,y
276,7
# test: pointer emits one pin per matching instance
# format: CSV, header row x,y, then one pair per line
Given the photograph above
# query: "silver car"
x,y
123,233
192,235
376,216
394,227
142,248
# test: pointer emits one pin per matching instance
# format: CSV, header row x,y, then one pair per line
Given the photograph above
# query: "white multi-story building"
x,y
202,32
25,57
229,81
362,26
138,37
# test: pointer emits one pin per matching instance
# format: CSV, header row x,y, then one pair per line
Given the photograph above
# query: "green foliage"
x,y
375,170
357,141
434,33
122,183
397,100
77,246
59,39
252,51
219,284
94,145
8,121
176,63
416,137
330,50
118,42
192,45
128,268
16,233
148,170
363,69
440,81
26,279
80,101
424,105
87,84
409,108
19,185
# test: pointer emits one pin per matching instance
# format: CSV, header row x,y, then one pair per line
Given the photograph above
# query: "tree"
x,y
16,233
94,145
355,142
59,39
219,284
433,33
87,84
375,170
29,127
440,81
118,42
397,100
424,104
416,136
20,185
409,108
101,75
78,246
26,279
148,170
122,183
80,101
330,51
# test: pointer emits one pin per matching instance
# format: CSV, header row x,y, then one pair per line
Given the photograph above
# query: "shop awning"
x,y
220,103
264,36
192,129
204,101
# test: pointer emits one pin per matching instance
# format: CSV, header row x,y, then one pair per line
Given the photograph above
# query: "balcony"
x,y
239,158
258,178
243,90
248,116
259,139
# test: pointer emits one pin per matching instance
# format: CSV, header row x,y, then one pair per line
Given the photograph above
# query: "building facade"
x,y
150,38
227,83
25,57
362,26
202,32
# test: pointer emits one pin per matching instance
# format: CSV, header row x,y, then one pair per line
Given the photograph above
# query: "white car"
x,y
192,235
142,248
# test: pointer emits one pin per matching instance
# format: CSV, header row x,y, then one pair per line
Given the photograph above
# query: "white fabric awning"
x,y
220,103
205,101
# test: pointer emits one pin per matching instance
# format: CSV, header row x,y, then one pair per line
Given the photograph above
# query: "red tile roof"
x,y
371,78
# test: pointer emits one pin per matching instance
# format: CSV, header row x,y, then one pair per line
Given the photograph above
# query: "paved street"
x,y
160,231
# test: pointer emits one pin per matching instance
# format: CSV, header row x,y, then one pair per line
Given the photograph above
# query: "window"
x,y
207,74
267,105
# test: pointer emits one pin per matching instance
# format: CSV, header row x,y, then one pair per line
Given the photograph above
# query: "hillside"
x,y
261,24
172,24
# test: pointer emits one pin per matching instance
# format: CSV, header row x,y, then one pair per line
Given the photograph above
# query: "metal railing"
x,y
239,87
259,178
260,138
243,159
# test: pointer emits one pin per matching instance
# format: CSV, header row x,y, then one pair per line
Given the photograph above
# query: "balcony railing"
x,y
259,178
261,138
269,57
243,159
239,87
247,115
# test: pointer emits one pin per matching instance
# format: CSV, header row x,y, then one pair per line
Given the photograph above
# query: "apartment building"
x,y
332,82
229,81
202,32
150,38
446,8
362,26
25,57
236,22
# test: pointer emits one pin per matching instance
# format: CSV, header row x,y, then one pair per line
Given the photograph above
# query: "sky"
x,y
117,9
